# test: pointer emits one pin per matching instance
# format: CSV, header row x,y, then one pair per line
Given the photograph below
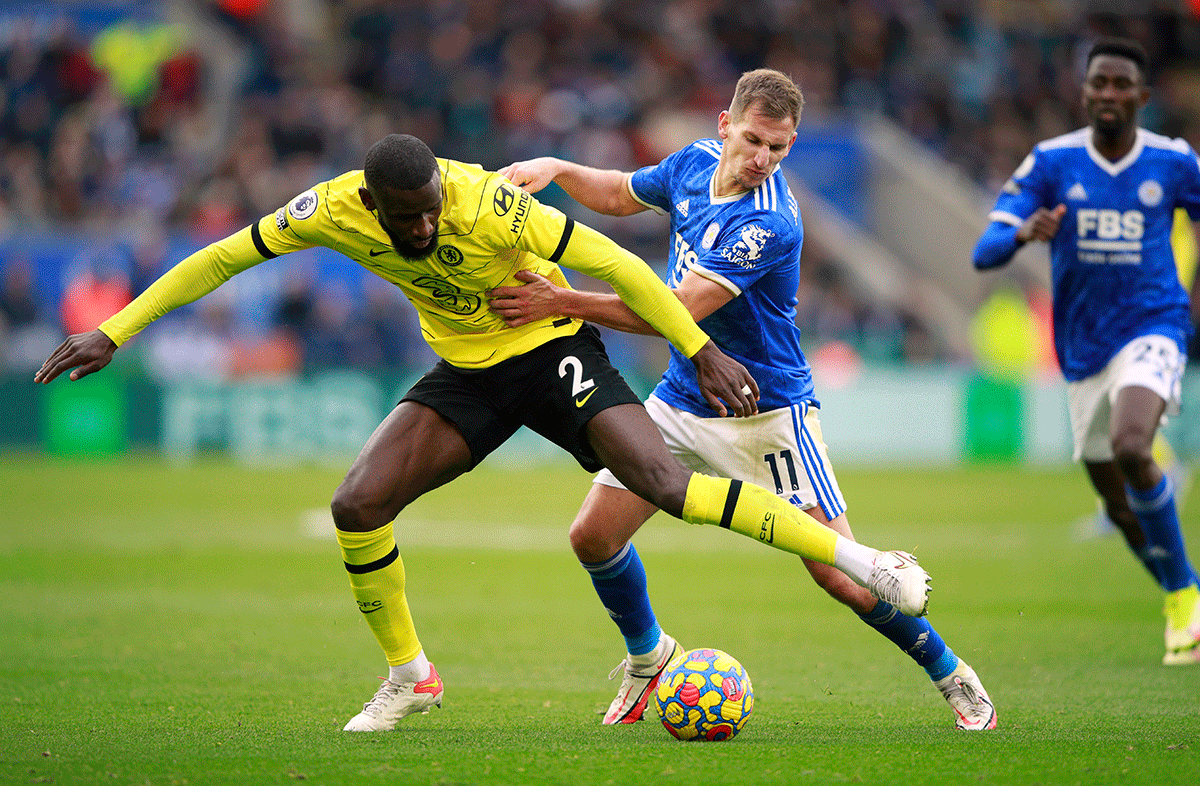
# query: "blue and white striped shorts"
x,y
781,450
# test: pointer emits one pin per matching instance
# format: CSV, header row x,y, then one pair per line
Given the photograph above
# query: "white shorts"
x,y
781,450
1153,362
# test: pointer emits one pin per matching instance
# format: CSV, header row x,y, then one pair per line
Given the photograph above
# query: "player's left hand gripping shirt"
x,y
488,230
749,243
1112,265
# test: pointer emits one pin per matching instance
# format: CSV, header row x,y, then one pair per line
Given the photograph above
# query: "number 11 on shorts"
x,y
771,460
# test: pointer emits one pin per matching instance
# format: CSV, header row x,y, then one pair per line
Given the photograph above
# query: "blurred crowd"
x,y
192,119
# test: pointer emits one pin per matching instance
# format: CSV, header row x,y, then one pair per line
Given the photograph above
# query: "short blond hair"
x,y
772,92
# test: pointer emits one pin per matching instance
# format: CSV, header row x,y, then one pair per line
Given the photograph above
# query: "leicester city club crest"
x,y
1150,193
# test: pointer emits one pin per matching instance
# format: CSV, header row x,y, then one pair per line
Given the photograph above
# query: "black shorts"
x,y
554,389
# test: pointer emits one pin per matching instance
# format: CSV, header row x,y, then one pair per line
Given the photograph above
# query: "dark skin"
x,y
1114,91
1135,419
409,217
415,450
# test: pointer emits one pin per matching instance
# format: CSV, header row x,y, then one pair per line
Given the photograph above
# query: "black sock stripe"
x,y
735,488
562,241
378,564
259,244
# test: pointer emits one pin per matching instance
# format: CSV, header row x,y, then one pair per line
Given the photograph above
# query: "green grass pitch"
x,y
194,625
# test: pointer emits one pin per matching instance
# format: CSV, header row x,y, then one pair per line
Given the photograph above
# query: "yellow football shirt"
x,y
489,229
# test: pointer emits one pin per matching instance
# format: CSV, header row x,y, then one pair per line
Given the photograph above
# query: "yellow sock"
x,y
377,581
757,513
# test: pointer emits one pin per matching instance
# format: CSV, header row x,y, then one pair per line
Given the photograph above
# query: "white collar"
x,y
1115,168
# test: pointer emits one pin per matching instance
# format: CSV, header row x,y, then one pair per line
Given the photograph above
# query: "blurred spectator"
x,y
1005,336
294,312
149,259
493,83
334,337
150,128
394,337
829,311
273,354
18,304
95,294
26,337
204,346
196,346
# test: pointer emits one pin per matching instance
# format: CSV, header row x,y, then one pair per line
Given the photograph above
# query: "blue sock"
x,y
1164,554
1153,558
916,637
620,581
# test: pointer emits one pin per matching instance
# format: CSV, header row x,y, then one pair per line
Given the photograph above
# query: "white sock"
x,y
649,658
415,670
854,559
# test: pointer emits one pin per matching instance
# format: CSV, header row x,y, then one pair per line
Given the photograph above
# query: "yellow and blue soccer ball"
x,y
704,695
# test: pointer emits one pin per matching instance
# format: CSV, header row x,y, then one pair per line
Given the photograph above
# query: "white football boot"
x,y
394,701
896,578
973,708
639,683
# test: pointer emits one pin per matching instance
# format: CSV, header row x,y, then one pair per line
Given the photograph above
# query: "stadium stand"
x,y
132,132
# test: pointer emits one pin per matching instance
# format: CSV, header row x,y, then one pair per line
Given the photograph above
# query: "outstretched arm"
x,y
191,279
601,190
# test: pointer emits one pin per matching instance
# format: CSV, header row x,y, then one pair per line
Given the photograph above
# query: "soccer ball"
x,y
704,695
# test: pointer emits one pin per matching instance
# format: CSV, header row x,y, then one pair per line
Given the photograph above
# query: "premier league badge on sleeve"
x,y
304,205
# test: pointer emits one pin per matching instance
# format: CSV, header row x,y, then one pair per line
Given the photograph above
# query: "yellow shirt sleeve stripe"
x,y
562,241
260,245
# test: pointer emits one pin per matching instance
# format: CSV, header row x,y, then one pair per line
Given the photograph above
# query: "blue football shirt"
x,y
1112,265
749,243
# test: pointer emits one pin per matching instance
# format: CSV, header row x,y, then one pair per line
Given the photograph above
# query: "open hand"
x,y
84,352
